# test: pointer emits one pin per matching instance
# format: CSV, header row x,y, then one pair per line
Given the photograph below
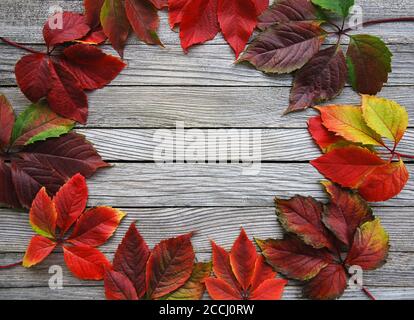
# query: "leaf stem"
x,y
369,294
379,21
19,46
403,155
11,265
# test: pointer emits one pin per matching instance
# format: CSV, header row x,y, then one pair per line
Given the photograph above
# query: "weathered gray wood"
x,y
23,20
276,144
203,66
398,272
219,224
207,107
97,293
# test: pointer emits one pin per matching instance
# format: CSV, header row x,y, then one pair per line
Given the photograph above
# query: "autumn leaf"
x,y
369,62
284,47
40,152
321,79
166,272
340,7
357,238
51,218
352,137
242,274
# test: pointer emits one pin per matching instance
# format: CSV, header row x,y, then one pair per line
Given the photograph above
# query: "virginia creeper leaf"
x,y
261,5
70,202
286,11
93,12
237,19
385,117
321,79
222,267
348,166
369,62
198,22
43,215
329,283
349,123
8,195
131,258
38,123
219,289
370,247
262,272
340,7
270,289
176,11
284,47
169,266
293,258
325,139
118,286
86,263
7,119
346,212
74,26
39,249
96,226
302,216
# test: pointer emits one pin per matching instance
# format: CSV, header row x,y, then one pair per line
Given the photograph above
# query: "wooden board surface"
x,y
205,91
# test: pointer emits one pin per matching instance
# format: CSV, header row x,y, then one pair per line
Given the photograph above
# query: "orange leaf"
x,y
39,249
270,289
43,215
219,289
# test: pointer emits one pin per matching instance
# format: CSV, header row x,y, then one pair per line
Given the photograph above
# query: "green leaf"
x,y
340,7
369,62
38,123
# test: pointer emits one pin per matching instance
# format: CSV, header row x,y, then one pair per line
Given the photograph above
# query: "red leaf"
x,y
7,119
270,289
370,247
91,66
43,215
131,259
74,27
198,23
176,11
321,79
302,216
86,263
288,10
71,201
33,76
96,226
93,12
237,19
330,283
66,96
39,249
169,266
222,268
348,166
219,289
159,4
242,260
261,5
118,286
262,272
8,195
293,258
115,24
384,182
95,37
144,20
322,136
346,212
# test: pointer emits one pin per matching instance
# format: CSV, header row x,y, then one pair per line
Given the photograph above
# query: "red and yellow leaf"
x,y
270,289
43,215
370,247
169,266
70,202
131,259
222,267
118,286
39,249
262,272
86,263
219,289
325,139
96,226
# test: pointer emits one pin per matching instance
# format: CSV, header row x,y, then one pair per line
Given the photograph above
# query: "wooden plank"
x,y
220,224
207,107
397,272
23,20
97,293
275,144
203,66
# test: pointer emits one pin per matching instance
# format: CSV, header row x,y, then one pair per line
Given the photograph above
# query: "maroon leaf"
x,y
322,78
7,119
8,194
93,12
118,286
